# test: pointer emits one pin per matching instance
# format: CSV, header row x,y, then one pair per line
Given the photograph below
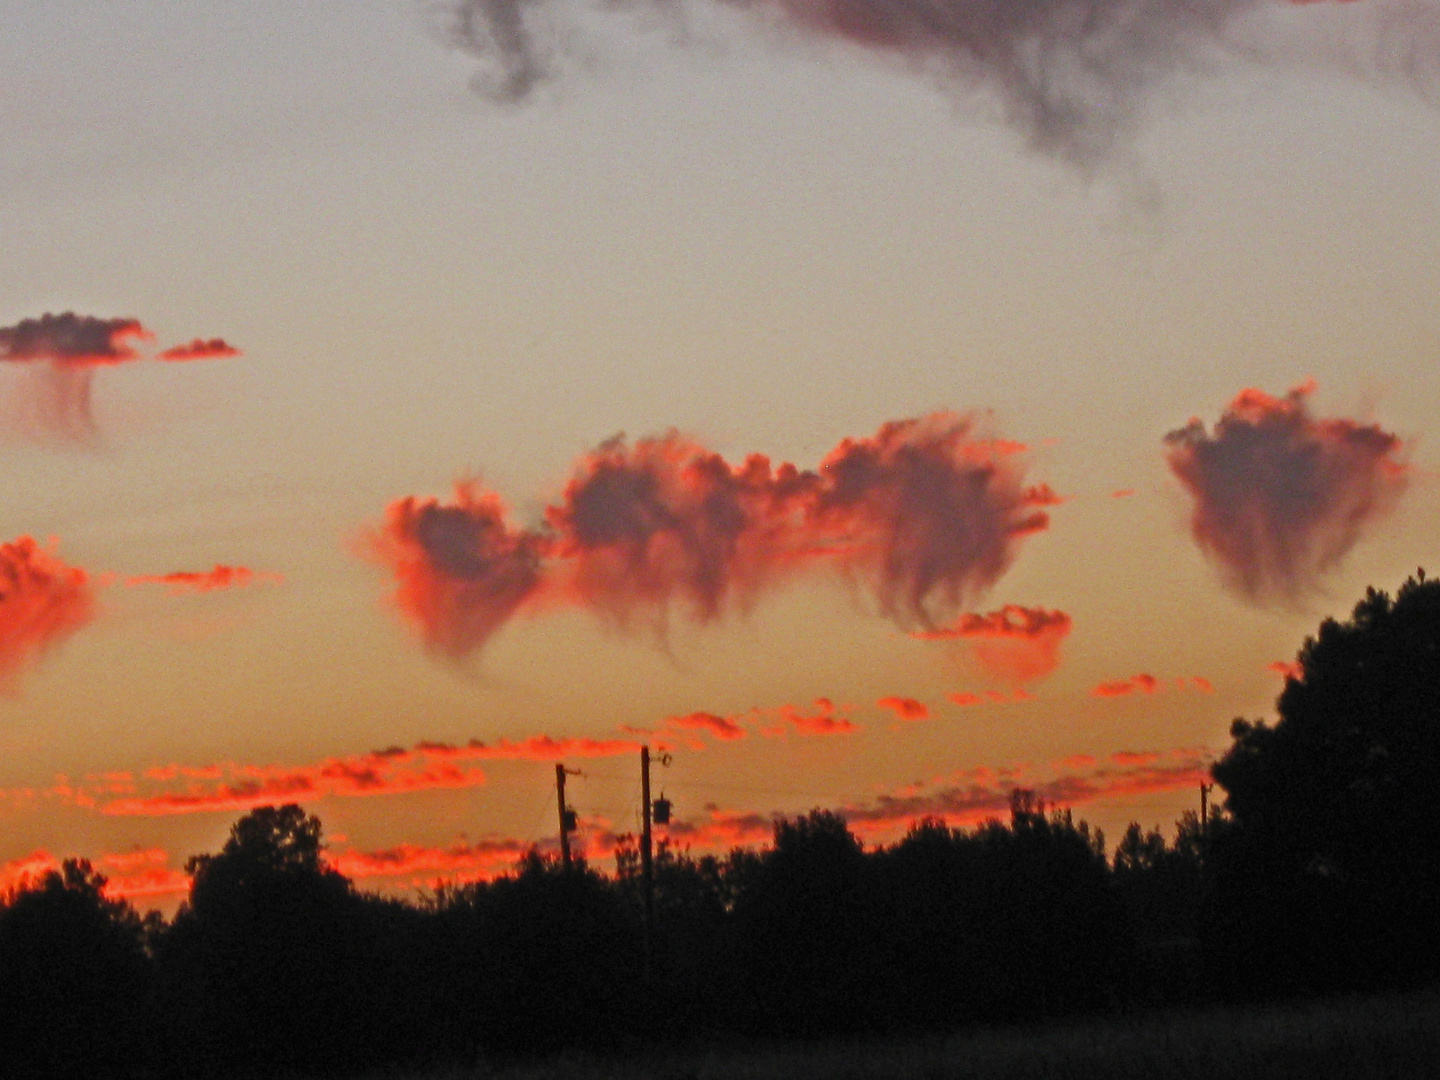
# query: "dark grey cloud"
x,y
1073,77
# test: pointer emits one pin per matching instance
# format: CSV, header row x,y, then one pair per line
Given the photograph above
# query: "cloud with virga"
x,y
56,358
1280,496
924,515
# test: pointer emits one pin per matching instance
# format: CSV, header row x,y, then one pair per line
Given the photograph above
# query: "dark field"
x,y
1344,1039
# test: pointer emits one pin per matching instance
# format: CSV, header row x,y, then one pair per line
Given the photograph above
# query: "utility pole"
x,y
566,817
647,867
659,811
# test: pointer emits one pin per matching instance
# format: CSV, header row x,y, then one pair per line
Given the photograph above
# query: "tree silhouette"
x,y
74,977
805,923
1161,886
1328,874
543,959
263,962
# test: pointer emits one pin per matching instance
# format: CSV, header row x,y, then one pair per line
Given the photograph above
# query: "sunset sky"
x,y
1107,366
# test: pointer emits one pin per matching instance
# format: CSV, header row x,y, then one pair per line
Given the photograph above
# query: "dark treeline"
x,y
1321,874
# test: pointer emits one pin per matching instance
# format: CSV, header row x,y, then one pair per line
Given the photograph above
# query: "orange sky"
x,y
375,446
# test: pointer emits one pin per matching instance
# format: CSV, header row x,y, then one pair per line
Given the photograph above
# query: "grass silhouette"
x,y
1356,1038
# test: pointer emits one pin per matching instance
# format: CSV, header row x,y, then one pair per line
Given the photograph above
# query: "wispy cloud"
x,y
1074,78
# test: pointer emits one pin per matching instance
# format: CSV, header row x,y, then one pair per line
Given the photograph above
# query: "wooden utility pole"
x,y
564,815
647,867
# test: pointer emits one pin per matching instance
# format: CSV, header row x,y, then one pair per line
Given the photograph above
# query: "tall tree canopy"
x,y
1333,850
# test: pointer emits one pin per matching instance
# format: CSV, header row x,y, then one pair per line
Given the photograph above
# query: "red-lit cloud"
x,y
133,875
534,748
905,708
219,577
1132,758
981,794
199,349
461,862
62,351
1136,684
1287,669
968,799
1014,643
965,699
42,602
1122,493
26,871
392,771
461,569
822,719
986,793
138,875
720,830
927,512
1043,495
719,726
1281,496
1145,683
81,340
249,786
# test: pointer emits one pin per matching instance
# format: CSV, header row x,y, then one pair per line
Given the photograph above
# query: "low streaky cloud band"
x,y
132,875
216,578
986,794
57,402
1281,496
721,727
42,602
905,708
962,800
982,795
1073,77
927,513
392,771
199,349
